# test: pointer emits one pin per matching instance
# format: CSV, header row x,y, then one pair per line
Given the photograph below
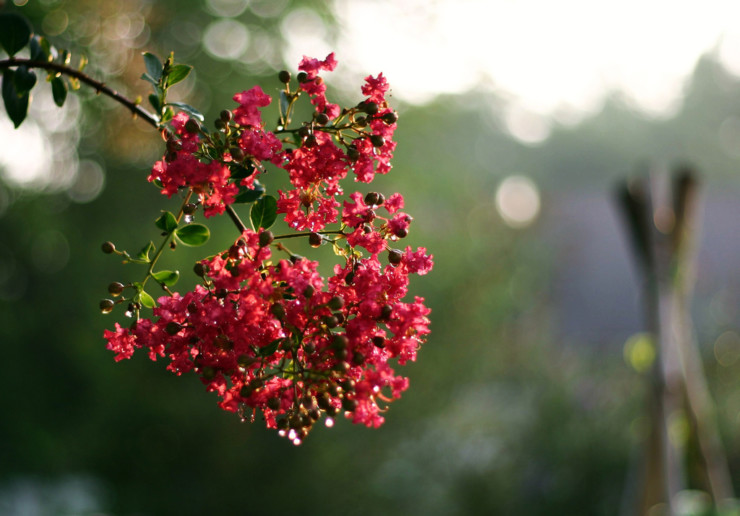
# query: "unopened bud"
x,y
302,77
106,306
395,256
336,303
108,247
225,115
192,126
284,76
115,288
315,240
322,119
377,140
390,118
266,238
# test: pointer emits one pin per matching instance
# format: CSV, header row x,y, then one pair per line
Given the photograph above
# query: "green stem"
x,y
308,233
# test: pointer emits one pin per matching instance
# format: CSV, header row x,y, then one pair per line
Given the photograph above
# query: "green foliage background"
x,y
503,415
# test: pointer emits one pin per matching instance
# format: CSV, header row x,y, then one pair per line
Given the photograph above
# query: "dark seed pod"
x,y
266,238
284,76
379,342
371,199
358,358
385,312
339,342
173,328
199,269
401,232
315,240
390,118
108,247
273,403
302,77
309,291
349,405
395,256
192,126
106,306
115,288
352,153
331,321
225,115
336,303
370,108
221,293
322,119
377,140
349,278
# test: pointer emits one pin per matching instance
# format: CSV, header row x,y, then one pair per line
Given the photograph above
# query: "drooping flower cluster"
x,y
270,334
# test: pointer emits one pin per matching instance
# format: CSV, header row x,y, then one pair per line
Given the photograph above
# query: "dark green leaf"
x,y
166,222
178,73
144,253
240,171
168,278
145,299
59,91
284,104
246,195
154,101
193,234
16,105
190,110
270,348
24,80
40,49
153,66
264,212
15,32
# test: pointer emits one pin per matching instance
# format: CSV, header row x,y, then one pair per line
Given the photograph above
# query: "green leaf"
x,y
190,110
264,212
144,253
154,101
149,78
168,278
15,32
178,73
246,195
270,348
166,222
167,115
41,49
240,171
16,105
284,105
145,299
59,91
153,66
24,80
193,234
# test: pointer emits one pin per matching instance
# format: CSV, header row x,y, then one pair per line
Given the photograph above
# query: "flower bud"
x,y
401,232
273,403
358,358
284,76
379,342
352,153
174,145
349,278
189,208
115,288
302,77
339,342
199,269
385,312
108,247
395,256
331,321
322,119
106,306
236,153
349,405
310,141
372,198
266,238
368,107
309,291
221,293
225,115
315,240
377,140
172,328
390,118
336,303
192,126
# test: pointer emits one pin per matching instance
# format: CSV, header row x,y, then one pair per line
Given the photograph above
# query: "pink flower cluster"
x,y
271,335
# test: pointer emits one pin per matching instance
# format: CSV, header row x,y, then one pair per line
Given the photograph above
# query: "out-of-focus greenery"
x,y
505,414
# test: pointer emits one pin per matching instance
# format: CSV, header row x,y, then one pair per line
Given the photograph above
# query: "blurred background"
x,y
517,122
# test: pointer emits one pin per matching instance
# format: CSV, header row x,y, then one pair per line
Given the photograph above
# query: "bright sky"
x,y
547,57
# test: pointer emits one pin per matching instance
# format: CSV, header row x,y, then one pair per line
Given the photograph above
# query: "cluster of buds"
x,y
268,334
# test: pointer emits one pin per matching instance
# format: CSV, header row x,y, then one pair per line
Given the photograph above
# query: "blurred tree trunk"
x,y
661,220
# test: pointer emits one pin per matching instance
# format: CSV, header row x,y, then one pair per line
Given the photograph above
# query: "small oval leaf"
x,y
166,222
59,91
264,212
24,80
146,300
153,66
168,278
15,105
15,32
190,110
246,195
193,234
178,73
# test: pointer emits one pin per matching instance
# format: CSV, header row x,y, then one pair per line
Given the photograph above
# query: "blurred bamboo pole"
x,y
661,219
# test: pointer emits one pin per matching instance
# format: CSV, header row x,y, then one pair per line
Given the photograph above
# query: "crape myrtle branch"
x,y
268,335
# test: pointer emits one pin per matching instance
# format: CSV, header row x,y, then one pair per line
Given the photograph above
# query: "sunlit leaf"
x,y
168,278
270,348
40,49
146,300
166,222
193,234
178,73
246,195
15,32
144,253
